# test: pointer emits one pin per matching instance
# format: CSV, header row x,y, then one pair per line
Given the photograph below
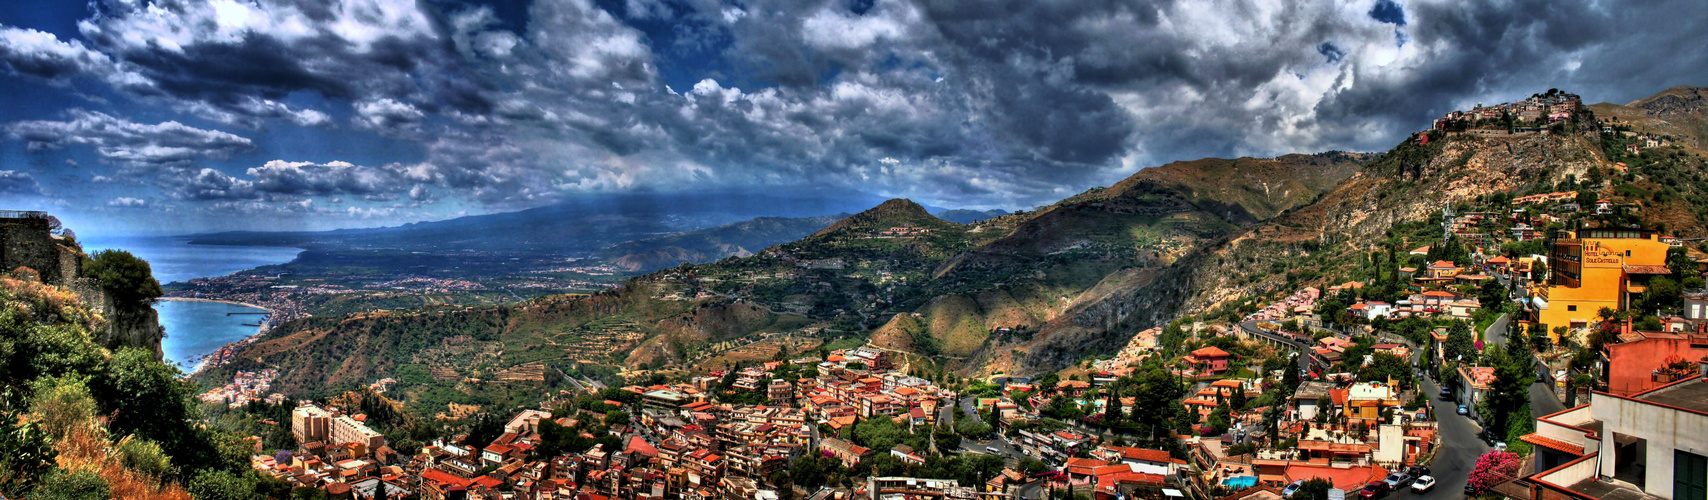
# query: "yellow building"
x,y
1594,269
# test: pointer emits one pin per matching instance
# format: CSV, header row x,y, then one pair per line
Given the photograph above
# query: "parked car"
x,y
1418,471
1398,480
1292,488
1423,484
1464,410
1446,394
1376,489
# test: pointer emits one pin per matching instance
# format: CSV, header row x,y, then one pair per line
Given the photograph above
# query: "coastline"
x,y
227,351
232,302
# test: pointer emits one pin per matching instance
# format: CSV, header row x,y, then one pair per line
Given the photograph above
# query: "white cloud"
x,y
387,113
127,202
129,143
835,28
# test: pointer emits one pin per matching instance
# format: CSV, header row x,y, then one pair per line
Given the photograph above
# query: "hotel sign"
x,y
1598,255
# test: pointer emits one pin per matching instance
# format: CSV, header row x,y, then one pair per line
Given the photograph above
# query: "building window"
x,y
1627,253
1572,308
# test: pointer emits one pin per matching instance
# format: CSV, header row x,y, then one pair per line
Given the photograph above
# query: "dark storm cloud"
x,y
1333,53
227,56
981,102
1388,12
40,54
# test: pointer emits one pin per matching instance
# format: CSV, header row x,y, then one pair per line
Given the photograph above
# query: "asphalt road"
x,y
970,404
1304,349
1542,400
1496,333
1459,447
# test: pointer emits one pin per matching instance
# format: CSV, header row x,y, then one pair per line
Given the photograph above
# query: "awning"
x,y
1539,303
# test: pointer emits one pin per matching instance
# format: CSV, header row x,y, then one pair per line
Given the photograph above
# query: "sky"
x,y
178,116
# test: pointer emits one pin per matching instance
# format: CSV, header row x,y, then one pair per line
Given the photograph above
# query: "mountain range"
x,y
1022,292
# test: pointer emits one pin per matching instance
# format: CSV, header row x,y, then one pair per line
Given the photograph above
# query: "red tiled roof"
x,y
1211,352
1348,479
1630,269
1442,264
443,478
639,445
1339,395
1083,466
1146,455
1540,440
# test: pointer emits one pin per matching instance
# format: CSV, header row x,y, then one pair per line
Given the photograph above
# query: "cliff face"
x,y
26,241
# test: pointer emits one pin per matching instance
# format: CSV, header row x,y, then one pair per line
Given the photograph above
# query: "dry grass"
x,y
86,448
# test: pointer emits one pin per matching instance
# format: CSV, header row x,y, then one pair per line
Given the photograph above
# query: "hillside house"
x,y
1473,382
1440,270
1209,360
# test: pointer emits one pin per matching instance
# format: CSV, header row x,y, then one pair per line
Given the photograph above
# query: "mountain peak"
x,y
896,212
899,206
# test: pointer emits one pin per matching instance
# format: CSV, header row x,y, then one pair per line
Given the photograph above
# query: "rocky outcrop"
x,y
27,241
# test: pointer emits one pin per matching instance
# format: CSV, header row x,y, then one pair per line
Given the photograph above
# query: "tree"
x,y
1384,366
946,437
810,472
1587,198
1492,294
1459,342
145,397
1315,488
1683,267
1539,338
128,279
1663,295
1112,409
1508,396
222,485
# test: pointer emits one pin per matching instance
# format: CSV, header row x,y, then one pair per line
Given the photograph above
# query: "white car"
x,y
1292,488
1423,484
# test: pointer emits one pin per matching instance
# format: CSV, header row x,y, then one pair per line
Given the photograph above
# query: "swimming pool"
x,y
1240,482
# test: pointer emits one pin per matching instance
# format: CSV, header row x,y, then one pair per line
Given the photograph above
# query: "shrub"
x,y
73,485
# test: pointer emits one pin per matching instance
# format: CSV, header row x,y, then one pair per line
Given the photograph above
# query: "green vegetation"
x,y
59,380
126,278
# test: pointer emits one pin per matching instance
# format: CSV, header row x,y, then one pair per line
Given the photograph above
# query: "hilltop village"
x,y
1414,373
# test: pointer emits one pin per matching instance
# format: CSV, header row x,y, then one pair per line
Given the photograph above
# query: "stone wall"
x,y
25,242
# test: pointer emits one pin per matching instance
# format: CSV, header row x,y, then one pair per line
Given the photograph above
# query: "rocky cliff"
x,y
27,241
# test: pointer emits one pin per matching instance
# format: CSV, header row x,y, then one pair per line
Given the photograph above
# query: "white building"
x,y
1652,444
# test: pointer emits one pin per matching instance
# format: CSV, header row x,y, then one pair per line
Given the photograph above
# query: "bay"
x,y
195,329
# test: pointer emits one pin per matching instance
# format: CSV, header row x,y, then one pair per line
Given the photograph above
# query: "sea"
x,y
195,329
